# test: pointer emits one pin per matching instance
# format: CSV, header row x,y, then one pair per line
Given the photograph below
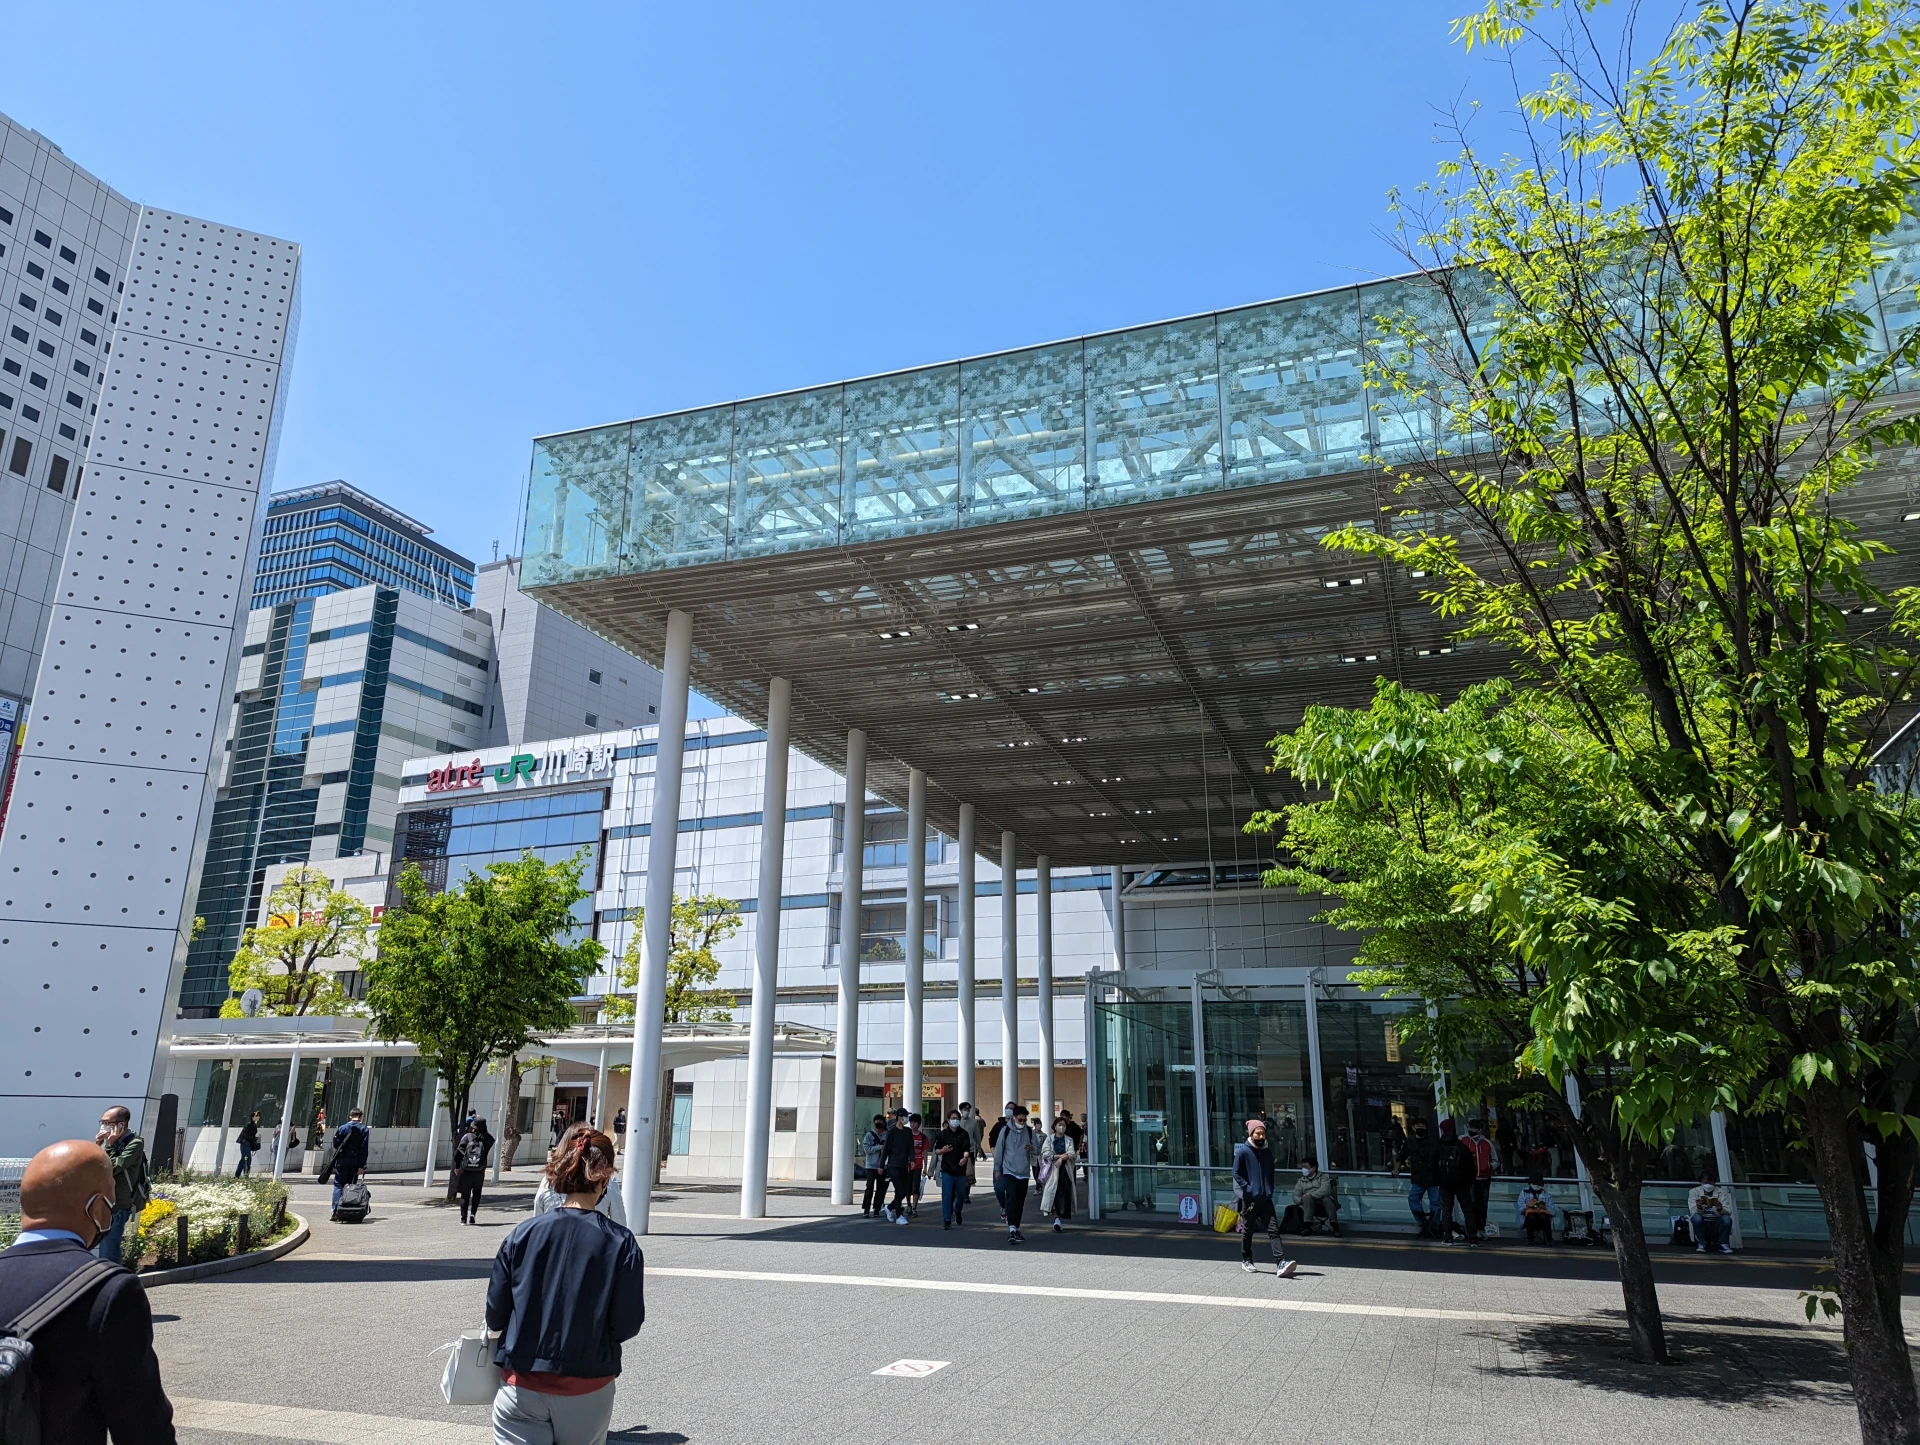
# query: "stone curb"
x,y
233,1262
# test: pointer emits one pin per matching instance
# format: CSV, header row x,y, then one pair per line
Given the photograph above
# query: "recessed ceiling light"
x,y
1870,607
1419,574
1911,517
897,632
1033,689
963,627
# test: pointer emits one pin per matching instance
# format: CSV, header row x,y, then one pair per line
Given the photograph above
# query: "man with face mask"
x,y
93,1359
954,1145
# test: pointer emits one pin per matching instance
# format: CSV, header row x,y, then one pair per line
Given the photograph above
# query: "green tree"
x,y
308,922
1647,367
1427,809
480,970
700,923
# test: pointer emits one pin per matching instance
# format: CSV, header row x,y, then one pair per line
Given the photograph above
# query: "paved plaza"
x,y
772,1331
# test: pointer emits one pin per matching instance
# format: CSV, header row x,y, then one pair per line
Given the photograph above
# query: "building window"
x,y
35,270
54,316
82,368
34,378
57,475
28,302
593,676
45,348
22,454
75,399
19,333
44,239
593,719
100,275
30,413
68,432
62,287
11,366
88,337
67,255
96,308
6,215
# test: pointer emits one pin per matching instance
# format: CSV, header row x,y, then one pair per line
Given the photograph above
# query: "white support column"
x,y
286,1114
503,1109
766,952
969,1046
1043,954
226,1118
1319,1081
650,998
1723,1166
1579,1164
1096,1150
1203,1132
846,1044
433,1133
913,1045
597,1115
1009,972
1117,887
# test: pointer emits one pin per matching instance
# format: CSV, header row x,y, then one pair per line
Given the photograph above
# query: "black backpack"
x,y
473,1151
19,1388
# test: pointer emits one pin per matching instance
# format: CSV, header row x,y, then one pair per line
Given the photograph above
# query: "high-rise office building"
x,y
333,537
143,368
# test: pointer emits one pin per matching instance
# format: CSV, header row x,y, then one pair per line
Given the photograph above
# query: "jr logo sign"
x,y
520,765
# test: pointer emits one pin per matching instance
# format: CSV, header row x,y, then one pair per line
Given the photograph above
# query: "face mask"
x,y
954,1122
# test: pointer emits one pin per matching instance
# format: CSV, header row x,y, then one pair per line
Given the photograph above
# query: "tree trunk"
x,y
1895,1160
510,1116
1646,1330
1613,1168
1877,1358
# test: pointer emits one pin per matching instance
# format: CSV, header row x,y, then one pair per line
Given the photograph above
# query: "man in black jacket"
x,y
352,1142
95,1360
1423,1192
897,1160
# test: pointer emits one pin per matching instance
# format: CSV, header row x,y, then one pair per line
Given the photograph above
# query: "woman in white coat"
x,y
1058,1159
545,1197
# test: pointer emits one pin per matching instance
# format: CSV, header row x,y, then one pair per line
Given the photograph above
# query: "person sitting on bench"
x,y
1315,1196
1711,1206
1536,1210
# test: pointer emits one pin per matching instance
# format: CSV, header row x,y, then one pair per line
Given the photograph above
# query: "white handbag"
x,y
471,1377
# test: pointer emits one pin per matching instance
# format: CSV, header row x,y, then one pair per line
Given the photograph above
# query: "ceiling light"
x,y
1419,574
1911,517
963,627
897,632
1329,584
1356,582
1870,607
1372,657
1033,689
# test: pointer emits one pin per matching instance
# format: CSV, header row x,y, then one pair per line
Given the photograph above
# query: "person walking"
x,y
976,1128
1016,1154
249,1141
1060,1156
127,1155
1423,1191
352,1142
1453,1171
896,1158
993,1152
557,1126
546,1197
1253,1198
93,1359
567,1290
1481,1148
917,1170
470,1154
953,1146
873,1144
620,1131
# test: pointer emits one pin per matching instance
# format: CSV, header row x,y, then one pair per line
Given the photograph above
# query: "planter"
x,y
184,1273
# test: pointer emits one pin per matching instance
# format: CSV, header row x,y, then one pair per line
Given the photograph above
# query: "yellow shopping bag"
x,y
1226,1219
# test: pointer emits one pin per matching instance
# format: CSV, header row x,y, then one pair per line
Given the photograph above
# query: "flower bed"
x,y
213,1207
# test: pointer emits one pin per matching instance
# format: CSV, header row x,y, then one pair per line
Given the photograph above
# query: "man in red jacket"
x,y
1481,1148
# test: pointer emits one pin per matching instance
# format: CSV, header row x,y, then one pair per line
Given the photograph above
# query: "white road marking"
x,y
1128,1296
336,1427
913,1369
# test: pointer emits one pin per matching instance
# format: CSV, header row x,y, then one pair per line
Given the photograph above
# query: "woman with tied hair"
x,y
546,1197
566,1291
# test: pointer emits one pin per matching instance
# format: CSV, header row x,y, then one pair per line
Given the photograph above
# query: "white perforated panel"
x,y
114,795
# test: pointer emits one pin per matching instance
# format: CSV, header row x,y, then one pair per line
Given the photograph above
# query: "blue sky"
x,y
522,219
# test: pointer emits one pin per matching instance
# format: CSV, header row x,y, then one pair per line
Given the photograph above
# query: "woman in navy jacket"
x,y
566,1291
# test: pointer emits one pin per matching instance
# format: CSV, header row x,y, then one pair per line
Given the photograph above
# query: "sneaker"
x,y
946,1224
1019,1236
1286,1269
1013,1238
901,1221
1058,1227
1247,1265
1726,1249
1697,1249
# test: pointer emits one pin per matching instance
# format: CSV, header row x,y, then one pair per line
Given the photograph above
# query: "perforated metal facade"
x,y
114,794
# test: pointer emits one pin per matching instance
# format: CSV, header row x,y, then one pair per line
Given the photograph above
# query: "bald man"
x,y
94,1360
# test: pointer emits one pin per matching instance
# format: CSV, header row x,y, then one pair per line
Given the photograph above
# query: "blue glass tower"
x,y
333,537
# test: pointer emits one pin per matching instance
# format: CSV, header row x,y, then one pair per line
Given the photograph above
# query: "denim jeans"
x,y
1711,1231
953,1195
110,1243
245,1167
1424,1201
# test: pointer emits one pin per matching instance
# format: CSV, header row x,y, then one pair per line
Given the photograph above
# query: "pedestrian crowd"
x,y
900,1153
